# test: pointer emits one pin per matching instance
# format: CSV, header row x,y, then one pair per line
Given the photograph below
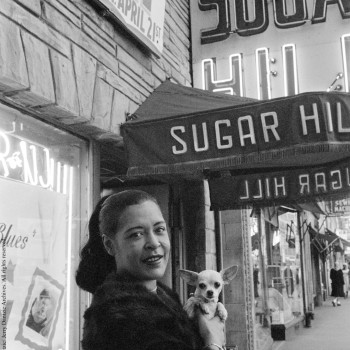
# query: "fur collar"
x,y
124,315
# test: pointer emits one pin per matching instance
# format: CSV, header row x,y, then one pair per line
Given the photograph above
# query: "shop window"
x,y
283,271
345,42
276,266
258,255
43,186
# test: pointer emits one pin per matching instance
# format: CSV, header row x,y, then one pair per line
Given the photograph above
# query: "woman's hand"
x,y
211,330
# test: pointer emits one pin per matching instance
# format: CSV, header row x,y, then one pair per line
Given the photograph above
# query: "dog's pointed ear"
x,y
229,273
190,277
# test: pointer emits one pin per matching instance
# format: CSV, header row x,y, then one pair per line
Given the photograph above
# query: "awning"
x,y
327,241
312,207
333,237
262,152
172,100
291,185
318,240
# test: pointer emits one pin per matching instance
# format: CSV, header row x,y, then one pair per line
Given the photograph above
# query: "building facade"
x,y
263,50
71,72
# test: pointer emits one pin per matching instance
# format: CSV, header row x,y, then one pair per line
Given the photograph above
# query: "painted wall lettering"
x,y
285,20
251,24
320,9
254,19
221,32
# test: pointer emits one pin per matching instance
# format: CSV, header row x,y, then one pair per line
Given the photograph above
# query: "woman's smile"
x,y
153,260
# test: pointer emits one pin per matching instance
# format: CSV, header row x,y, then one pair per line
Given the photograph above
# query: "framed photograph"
x,y
40,311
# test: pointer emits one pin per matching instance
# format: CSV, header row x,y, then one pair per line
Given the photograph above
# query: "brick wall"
x,y
63,61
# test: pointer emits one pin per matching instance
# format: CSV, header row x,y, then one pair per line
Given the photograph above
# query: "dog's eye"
x,y
217,285
201,285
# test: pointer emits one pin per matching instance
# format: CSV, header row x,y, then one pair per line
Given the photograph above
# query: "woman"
x,y
127,253
337,278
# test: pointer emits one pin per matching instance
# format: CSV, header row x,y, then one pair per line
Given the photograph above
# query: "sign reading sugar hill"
x,y
302,130
280,186
143,18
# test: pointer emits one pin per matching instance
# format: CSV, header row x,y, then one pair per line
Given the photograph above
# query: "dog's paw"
x,y
222,314
190,306
221,311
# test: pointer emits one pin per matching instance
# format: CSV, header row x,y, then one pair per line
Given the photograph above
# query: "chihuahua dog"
x,y
208,285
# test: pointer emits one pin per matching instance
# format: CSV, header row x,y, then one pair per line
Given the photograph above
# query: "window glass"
x,y
42,174
283,271
258,259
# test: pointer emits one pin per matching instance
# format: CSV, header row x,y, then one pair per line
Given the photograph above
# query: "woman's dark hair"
x,y
96,263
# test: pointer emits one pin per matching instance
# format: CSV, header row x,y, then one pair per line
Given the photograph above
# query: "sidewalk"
x,y
330,330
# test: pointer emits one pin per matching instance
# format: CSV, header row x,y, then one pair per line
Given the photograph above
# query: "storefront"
x,y
278,157
265,50
71,73
278,294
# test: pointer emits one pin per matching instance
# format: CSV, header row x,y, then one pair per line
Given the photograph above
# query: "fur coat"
x,y
125,316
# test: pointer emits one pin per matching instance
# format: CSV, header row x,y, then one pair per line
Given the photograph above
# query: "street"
x,y
329,330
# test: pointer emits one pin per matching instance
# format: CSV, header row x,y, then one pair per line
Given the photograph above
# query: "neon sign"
x,y
254,19
232,85
31,164
290,70
263,73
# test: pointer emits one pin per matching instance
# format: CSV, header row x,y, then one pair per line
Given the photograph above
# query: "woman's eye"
x,y
160,229
136,234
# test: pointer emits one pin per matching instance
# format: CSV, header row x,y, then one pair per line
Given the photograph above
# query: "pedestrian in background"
x,y
337,278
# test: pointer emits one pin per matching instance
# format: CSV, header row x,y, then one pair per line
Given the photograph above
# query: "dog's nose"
x,y
210,293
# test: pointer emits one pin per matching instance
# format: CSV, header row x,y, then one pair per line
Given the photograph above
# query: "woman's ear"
x,y
108,244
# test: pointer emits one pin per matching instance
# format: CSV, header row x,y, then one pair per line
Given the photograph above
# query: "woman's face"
x,y
141,245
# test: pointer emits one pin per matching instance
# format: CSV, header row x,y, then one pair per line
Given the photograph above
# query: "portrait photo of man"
x,y
40,315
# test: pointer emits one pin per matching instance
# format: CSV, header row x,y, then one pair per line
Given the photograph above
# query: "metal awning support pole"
x,y
329,245
267,321
301,239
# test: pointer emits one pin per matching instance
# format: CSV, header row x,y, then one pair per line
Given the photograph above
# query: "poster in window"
x,y
34,237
